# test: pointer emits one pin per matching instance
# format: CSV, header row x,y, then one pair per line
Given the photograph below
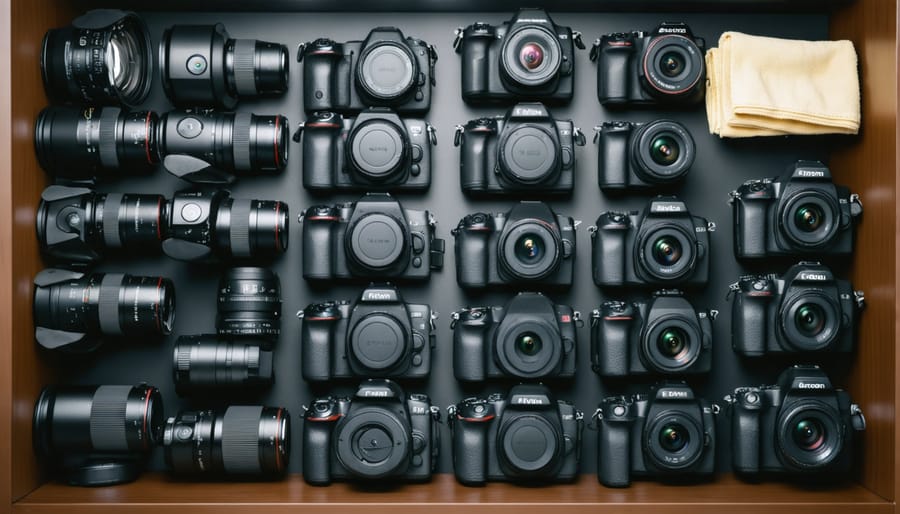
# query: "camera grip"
x,y
613,454
609,345
320,154
613,160
470,451
745,439
473,160
475,66
318,91
468,351
316,451
750,225
612,74
315,352
608,257
471,258
749,324
317,248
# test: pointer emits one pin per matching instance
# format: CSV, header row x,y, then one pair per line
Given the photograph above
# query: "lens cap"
x,y
529,154
530,444
372,443
378,342
377,149
377,241
386,71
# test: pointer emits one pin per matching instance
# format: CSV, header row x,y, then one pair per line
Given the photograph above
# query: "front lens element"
x,y
529,344
529,248
664,150
531,55
809,217
809,434
673,437
667,250
671,64
810,319
673,343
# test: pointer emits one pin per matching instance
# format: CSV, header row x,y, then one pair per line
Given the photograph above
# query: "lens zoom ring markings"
x,y
183,357
244,69
108,421
108,304
240,228
241,139
111,206
240,439
109,121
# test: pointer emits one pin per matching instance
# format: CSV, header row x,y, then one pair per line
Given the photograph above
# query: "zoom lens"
x,y
249,303
205,362
81,143
527,343
97,433
69,306
252,227
809,434
530,250
243,441
810,320
530,56
201,65
671,343
103,58
662,152
672,66
673,437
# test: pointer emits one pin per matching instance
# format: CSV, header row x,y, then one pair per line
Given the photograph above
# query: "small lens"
x,y
531,55
671,64
664,150
204,362
529,344
809,217
249,303
810,319
809,434
667,251
673,343
673,437
529,248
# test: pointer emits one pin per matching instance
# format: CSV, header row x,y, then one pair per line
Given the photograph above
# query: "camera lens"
x,y
673,343
250,228
667,250
81,143
674,440
673,437
529,250
530,56
205,362
529,344
244,441
673,66
662,152
249,303
111,304
104,58
378,149
809,434
386,71
73,424
378,342
809,217
810,319
373,442
529,444
377,241
667,253
528,154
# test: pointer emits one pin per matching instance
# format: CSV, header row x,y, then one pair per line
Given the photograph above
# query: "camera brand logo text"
x,y
810,173
672,30
674,394
810,385
813,276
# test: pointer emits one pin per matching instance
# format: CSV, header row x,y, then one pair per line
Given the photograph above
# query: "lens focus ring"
x,y
108,303
240,440
243,121
240,228
244,69
107,421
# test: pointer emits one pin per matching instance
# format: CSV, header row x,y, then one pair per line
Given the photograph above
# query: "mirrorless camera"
x,y
525,150
663,335
801,213
530,338
526,58
802,427
379,335
381,433
662,246
375,151
374,237
526,436
387,69
666,66
806,310
634,156
529,244
669,434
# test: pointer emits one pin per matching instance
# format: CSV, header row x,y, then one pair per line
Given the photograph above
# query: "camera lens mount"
x,y
530,445
372,442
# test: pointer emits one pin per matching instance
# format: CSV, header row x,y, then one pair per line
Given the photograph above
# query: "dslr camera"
x,y
665,66
379,335
662,246
663,335
669,434
802,213
636,156
802,426
526,436
529,244
806,310
525,151
528,338
380,433
526,58
374,237
386,70
377,150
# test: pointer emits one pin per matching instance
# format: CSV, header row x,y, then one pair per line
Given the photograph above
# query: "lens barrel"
x,y
249,228
205,362
249,303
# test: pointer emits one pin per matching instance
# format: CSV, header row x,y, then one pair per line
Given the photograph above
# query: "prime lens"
x,y
249,303
205,362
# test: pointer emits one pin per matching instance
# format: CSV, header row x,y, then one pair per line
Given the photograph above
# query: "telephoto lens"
x,y
103,58
201,65
249,303
246,441
85,142
77,225
203,363
210,147
72,310
97,435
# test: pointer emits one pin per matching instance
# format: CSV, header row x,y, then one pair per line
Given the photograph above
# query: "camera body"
x,y
664,245
526,58
375,151
526,150
663,335
530,338
387,69
802,426
379,434
806,310
529,244
801,213
378,336
668,434
640,156
374,237
493,437
665,66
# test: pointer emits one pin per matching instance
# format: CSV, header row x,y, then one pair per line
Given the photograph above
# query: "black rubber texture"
x,y
240,228
241,139
111,206
109,156
108,418
244,69
108,305
240,440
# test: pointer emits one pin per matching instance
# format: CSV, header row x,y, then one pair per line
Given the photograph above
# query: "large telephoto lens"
x,y
249,303
204,362
252,227
244,441
103,58
82,143
97,434
69,304
201,65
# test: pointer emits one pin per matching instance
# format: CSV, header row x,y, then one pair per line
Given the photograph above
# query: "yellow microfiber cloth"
x,y
764,86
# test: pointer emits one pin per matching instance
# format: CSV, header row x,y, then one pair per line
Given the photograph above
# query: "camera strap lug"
x,y
578,39
597,131
595,417
435,412
432,319
299,132
432,134
457,41
857,420
592,230
301,313
715,409
300,217
595,50
454,319
301,50
859,298
576,317
457,134
432,59
578,135
856,206
451,416
733,195
732,290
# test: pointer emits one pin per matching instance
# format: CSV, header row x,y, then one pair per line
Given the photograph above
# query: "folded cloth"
x,y
764,86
